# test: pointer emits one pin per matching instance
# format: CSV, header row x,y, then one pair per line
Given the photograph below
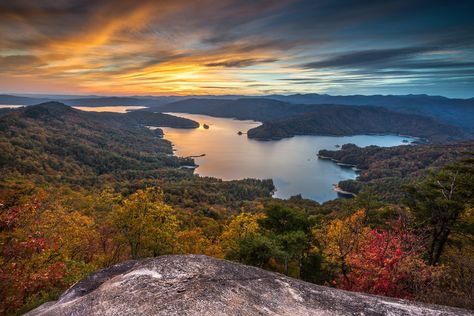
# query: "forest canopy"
x,y
81,192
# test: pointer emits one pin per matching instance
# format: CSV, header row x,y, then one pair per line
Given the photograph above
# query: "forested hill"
x,y
157,119
53,142
82,191
266,109
5,111
385,170
350,120
459,112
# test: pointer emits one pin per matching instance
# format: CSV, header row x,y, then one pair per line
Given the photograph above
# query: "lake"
x,y
291,163
116,109
8,106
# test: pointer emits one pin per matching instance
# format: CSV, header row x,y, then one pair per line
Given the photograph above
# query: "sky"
x,y
153,47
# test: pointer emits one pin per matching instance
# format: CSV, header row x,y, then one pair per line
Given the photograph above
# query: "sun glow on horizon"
x,y
231,47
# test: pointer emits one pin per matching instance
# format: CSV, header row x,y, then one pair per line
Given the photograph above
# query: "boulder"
x,y
200,285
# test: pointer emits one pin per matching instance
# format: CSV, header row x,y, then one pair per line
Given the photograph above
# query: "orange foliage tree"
x,y
379,261
42,251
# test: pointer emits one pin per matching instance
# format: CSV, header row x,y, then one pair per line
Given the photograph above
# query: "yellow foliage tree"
x,y
194,241
44,247
342,237
146,223
240,227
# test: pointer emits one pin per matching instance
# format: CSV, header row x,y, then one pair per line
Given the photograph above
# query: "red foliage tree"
x,y
27,262
388,263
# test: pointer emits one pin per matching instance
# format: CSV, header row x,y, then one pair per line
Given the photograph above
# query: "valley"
x,y
84,190
297,157
292,164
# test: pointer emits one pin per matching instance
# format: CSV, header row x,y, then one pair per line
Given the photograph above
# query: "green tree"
x,y
438,203
257,250
281,219
288,228
292,245
311,268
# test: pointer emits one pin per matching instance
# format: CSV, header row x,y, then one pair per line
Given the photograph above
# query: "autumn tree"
x,y
340,239
387,262
240,227
43,248
196,242
146,223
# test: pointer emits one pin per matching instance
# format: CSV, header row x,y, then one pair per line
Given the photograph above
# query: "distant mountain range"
x,y
457,112
86,101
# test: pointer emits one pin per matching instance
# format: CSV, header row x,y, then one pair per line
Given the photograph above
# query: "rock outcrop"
x,y
200,285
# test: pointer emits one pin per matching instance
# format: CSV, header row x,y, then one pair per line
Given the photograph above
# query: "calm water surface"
x,y
291,163
7,106
116,109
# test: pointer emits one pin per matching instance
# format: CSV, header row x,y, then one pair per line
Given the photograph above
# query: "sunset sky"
x,y
122,47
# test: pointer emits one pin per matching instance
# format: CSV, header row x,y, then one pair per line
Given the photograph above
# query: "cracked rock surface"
x,y
200,285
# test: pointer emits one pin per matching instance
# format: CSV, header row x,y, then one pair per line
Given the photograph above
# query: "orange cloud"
x,y
218,47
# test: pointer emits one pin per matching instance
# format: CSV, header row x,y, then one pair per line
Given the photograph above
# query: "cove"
x,y
292,163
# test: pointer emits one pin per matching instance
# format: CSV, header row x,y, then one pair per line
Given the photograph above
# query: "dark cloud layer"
x,y
181,46
237,63
368,58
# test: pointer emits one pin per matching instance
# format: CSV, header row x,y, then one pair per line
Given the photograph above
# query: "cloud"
x,y
181,47
18,63
238,63
368,57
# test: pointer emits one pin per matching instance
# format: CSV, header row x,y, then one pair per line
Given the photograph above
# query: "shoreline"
x,y
337,192
337,189
416,139
341,164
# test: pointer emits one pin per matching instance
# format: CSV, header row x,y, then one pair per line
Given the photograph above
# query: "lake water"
x,y
8,106
116,109
291,163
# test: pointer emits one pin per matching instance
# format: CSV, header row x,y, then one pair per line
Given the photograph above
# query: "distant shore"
x,y
337,189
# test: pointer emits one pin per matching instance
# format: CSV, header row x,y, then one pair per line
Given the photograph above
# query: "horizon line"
x,y
33,94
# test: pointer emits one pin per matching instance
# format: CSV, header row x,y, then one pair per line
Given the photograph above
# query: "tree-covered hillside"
x,y
350,120
53,142
385,170
452,111
82,191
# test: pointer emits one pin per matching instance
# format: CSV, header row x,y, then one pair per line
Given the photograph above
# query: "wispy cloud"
x,y
191,47
238,63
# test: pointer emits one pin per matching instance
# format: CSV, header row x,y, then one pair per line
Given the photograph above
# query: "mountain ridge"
x,y
355,120
84,147
454,111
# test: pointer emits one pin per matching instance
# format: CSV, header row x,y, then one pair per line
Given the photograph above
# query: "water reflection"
x,y
115,109
291,163
8,106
